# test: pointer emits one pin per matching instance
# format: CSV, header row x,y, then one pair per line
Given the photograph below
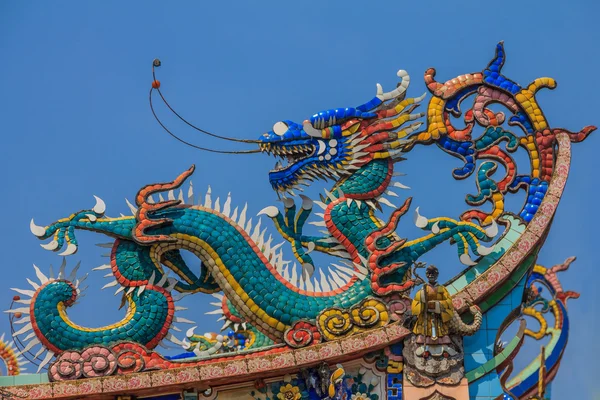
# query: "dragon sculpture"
x,y
270,302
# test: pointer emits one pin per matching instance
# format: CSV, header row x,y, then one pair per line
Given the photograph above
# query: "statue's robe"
x,y
433,307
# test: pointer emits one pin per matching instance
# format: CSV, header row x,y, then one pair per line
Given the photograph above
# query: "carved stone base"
x,y
426,365
436,391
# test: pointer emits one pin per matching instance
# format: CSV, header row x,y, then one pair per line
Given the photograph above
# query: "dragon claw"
x,y
71,249
270,211
492,230
38,231
53,245
307,203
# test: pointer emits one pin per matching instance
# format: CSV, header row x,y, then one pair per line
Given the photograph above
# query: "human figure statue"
x,y
432,305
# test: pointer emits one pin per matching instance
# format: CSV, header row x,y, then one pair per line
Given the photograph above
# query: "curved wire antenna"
x,y
190,144
156,63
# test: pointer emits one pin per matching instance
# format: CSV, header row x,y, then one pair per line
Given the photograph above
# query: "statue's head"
x,y
432,274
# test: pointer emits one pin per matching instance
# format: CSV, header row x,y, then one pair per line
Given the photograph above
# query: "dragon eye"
x,y
280,128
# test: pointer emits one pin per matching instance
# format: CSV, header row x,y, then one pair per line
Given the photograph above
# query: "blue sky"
x,y
76,122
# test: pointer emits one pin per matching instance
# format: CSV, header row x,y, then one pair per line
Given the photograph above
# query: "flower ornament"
x,y
360,396
289,392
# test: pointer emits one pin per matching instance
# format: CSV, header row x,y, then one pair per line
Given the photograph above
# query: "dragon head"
x,y
333,144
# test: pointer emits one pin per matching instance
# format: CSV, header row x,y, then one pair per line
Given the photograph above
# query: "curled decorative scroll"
x,y
301,334
92,362
129,361
335,322
96,361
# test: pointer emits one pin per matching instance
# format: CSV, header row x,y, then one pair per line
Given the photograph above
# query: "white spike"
x,y
420,221
217,206
102,267
267,246
390,193
99,207
24,329
160,197
162,280
227,205
248,227
106,245
130,290
73,273
399,185
242,219
171,195
226,324
182,320
317,286
435,228
150,199
180,197
109,275
33,284
39,352
29,336
359,275
385,201
320,204
318,223
38,231
294,277
61,270
23,301
343,270
173,339
207,199
171,283
30,345
119,290
179,296
324,284
29,293
332,283
309,285
45,361
110,284
152,278
132,208
256,232
330,195
190,194
217,296
141,289
337,278
214,312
